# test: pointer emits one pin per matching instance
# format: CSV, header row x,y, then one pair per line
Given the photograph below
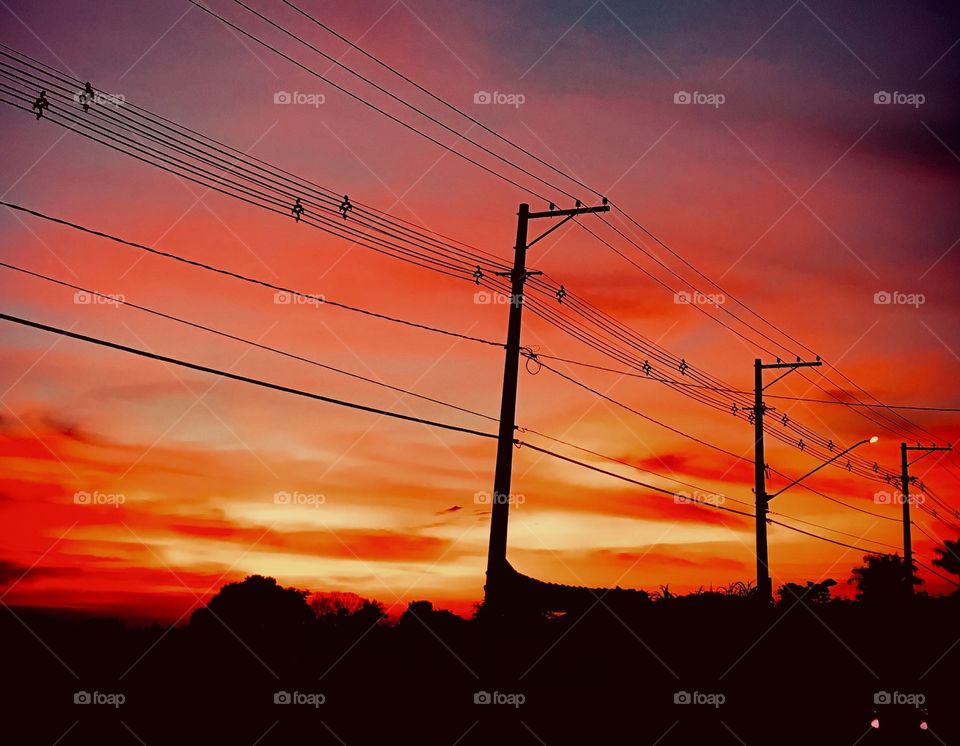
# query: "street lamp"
x,y
873,439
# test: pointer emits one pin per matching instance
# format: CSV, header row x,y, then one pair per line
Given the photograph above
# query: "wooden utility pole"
x,y
905,499
497,550
764,584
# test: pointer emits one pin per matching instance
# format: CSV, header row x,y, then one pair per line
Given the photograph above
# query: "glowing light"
x,y
875,723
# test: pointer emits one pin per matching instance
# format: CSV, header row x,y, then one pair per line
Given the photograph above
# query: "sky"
x,y
784,181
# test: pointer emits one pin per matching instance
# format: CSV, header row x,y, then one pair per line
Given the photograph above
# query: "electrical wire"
x,y
237,377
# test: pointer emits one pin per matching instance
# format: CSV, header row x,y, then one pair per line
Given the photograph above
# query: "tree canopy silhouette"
x,y
881,579
257,605
948,556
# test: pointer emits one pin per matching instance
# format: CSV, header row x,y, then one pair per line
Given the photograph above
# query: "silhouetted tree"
x,y
346,609
433,618
811,593
949,556
256,605
881,579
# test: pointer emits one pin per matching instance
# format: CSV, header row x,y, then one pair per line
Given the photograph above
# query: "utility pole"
x,y
497,551
905,499
764,584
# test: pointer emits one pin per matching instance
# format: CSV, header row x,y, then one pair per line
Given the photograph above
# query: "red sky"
x,y
198,460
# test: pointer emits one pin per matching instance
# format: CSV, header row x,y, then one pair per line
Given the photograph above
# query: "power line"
x,y
526,152
628,479
644,377
275,350
824,538
215,183
337,62
834,530
648,417
606,325
840,502
933,537
700,489
236,275
442,101
934,514
240,165
942,577
686,498
363,101
393,96
696,305
237,377
246,341
672,429
811,437
738,406
615,460
758,316
715,447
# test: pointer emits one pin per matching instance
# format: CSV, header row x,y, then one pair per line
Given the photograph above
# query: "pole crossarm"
x,y
790,368
568,213
567,216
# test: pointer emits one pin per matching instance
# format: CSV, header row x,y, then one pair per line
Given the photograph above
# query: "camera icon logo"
x,y
281,498
682,97
682,698
81,498
482,698
282,97
882,298
882,97
881,698
482,97
281,698
282,297
82,698
681,297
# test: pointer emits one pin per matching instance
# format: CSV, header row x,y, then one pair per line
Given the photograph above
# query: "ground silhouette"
x,y
264,661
